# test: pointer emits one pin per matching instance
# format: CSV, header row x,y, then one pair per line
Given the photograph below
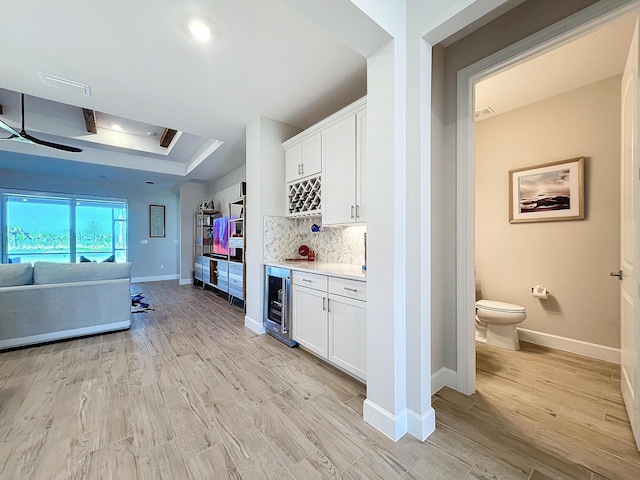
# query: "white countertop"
x,y
342,270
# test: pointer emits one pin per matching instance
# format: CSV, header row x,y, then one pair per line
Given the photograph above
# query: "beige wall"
x,y
571,258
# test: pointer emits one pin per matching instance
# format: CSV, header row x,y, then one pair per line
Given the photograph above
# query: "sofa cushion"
x,y
52,272
14,274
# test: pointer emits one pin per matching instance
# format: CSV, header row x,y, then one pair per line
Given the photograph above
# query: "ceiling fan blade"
x,y
44,143
9,129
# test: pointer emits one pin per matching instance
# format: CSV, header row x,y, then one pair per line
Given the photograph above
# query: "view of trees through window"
x,y
64,229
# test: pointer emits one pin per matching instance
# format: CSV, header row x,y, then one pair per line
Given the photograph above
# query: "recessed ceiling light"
x,y
116,127
152,134
200,31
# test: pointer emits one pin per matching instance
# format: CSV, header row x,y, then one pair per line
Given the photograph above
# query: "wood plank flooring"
x,y
189,393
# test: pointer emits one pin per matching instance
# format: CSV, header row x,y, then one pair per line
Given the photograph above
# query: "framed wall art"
x,y
548,192
157,221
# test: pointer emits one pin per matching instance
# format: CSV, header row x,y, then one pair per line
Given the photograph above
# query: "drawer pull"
x,y
307,280
354,290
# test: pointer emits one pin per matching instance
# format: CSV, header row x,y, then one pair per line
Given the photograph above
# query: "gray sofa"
x,y
51,301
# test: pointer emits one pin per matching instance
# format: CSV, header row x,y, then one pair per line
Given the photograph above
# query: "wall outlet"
x,y
161,266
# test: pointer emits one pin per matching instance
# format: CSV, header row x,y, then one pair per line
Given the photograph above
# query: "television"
x,y
221,236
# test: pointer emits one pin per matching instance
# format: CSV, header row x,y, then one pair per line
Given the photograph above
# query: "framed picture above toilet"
x,y
547,192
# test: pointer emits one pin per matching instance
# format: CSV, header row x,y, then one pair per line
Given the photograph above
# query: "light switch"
x,y
144,241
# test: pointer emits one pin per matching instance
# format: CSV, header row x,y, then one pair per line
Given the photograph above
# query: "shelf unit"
x,y
203,235
206,268
236,256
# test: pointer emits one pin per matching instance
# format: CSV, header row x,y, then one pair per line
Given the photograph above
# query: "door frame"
x,y
530,47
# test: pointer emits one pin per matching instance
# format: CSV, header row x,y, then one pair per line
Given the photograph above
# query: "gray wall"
x,y
146,258
516,24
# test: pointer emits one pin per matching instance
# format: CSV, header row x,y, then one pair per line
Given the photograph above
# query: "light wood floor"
x,y
189,393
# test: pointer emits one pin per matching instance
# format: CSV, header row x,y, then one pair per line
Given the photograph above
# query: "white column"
x,y
265,196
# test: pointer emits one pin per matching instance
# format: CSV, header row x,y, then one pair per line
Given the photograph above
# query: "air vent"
x,y
483,112
64,84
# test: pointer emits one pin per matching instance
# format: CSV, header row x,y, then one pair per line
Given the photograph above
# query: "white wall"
x,y
265,184
572,259
227,188
146,258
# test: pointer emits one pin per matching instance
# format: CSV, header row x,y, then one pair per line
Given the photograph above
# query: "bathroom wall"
x,y
283,236
571,258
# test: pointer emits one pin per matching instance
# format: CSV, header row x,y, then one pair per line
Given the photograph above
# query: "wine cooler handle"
x,y
285,309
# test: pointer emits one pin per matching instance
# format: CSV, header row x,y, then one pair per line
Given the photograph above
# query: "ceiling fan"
x,y
24,137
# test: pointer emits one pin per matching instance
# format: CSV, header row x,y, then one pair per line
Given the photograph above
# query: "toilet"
x,y
496,321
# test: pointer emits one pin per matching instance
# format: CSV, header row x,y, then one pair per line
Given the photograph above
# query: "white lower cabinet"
x,y
310,327
330,319
348,334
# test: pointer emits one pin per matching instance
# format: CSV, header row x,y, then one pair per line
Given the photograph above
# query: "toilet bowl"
x,y
500,320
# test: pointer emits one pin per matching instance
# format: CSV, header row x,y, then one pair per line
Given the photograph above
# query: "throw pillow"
x,y
84,259
112,258
14,274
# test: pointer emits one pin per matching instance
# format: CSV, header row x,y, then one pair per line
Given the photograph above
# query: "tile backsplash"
x,y
283,236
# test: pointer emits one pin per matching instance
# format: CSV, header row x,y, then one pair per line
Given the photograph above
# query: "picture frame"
x,y
157,221
547,192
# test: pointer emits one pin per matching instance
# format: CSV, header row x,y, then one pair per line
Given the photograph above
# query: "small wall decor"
x,y
548,192
157,221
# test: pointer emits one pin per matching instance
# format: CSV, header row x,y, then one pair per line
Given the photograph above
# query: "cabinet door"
x,y
311,156
361,168
309,319
339,174
303,159
292,162
348,335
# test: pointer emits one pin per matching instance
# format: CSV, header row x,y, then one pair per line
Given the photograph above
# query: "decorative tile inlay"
x,y
283,236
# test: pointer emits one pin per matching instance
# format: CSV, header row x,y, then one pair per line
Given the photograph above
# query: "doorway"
x,y
519,53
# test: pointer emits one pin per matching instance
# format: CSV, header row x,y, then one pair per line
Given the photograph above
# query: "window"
x,y
57,229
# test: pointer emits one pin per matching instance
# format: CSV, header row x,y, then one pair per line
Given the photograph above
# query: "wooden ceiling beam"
x,y
90,120
167,137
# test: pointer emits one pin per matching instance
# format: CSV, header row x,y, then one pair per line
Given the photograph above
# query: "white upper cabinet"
x,y
325,168
303,159
339,173
344,164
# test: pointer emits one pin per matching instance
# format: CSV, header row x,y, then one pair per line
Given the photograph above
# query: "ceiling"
x,y
593,56
142,64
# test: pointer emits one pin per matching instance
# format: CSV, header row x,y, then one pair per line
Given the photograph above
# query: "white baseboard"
x,y
421,426
393,426
251,324
445,377
185,281
156,278
52,336
578,347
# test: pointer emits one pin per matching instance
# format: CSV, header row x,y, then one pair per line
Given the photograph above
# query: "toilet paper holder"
x,y
540,292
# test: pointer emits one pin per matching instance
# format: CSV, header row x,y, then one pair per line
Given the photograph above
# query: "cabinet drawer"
x,y
348,288
235,268
310,280
236,242
235,288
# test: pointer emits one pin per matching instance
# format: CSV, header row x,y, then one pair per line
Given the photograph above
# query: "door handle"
x,y
352,216
616,274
